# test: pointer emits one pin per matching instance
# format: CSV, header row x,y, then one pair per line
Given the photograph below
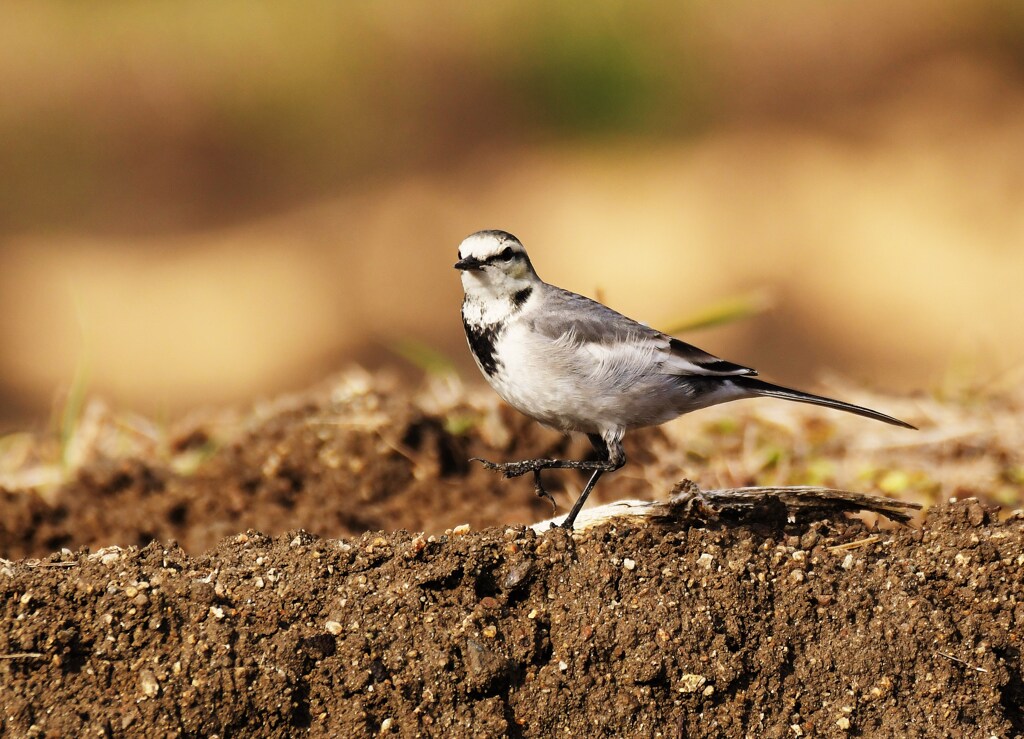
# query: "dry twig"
x,y
689,502
962,662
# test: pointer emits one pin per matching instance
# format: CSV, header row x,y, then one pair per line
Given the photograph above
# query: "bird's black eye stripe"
x,y
504,255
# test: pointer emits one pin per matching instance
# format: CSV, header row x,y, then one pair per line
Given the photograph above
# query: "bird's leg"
x,y
578,505
612,457
516,469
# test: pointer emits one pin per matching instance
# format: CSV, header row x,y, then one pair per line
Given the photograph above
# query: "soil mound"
x,y
824,629
633,628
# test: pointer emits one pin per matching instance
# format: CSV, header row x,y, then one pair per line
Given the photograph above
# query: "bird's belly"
x,y
554,385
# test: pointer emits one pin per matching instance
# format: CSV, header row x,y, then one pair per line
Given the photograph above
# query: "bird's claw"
x,y
541,492
515,469
508,469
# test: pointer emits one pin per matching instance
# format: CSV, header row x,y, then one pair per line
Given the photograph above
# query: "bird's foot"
x,y
514,469
541,492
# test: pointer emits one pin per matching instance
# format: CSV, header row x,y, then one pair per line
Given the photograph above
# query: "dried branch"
x,y
808,501
688,502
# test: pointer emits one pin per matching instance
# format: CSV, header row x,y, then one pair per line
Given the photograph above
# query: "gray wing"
x,y
565,313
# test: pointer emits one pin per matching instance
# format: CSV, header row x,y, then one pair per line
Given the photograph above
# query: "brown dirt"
x,y
624,631
631,629
356,454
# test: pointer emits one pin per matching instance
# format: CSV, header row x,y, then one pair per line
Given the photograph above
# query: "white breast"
x,y
575,386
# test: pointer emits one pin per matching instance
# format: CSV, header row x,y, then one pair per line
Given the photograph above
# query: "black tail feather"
x,y
760,387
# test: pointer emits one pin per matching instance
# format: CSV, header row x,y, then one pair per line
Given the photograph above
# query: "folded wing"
x,y
687,359
585,321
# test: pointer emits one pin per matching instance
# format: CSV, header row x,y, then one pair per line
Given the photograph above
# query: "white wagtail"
x,y
574,364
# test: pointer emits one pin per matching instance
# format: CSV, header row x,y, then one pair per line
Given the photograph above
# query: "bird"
x,y
576,365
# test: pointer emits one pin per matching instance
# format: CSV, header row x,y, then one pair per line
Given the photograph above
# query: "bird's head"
x,y
494,264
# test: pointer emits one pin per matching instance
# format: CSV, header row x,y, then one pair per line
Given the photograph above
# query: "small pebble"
x,y
691,683
629,564
976,515
334,627
148,683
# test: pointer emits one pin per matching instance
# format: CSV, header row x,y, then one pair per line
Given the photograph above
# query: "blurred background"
x,y
204,203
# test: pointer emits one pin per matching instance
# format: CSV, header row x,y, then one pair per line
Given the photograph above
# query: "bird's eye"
x,y
507,253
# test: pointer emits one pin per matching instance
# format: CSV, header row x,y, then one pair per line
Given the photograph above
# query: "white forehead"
x,y
484,244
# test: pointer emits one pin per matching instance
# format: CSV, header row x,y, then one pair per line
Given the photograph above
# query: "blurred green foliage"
x,y
608,79
720,313
423,356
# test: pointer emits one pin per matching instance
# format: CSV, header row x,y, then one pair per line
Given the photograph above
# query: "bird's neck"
x,y
485,306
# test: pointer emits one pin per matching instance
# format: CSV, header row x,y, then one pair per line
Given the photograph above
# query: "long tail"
x,y
760,387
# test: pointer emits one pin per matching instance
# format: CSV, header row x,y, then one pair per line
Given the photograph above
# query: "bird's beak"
x,y
468,263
